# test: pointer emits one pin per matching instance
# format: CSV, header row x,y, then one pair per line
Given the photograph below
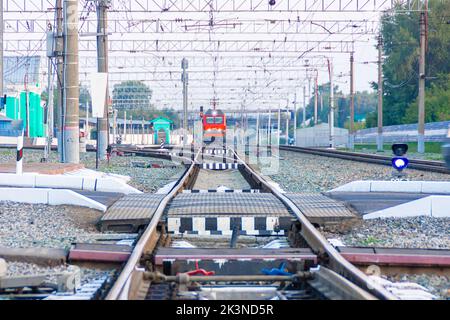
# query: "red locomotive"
x,y
214,123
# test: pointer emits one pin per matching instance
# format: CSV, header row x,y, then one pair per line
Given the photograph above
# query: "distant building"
x,y
162,128
23,90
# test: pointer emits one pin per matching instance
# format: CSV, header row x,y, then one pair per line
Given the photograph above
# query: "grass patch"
x,y
370,241
430,147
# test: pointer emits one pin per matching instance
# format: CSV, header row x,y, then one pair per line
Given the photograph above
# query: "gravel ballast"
x,y
37,225
299,172
437,285
144,179
29,269
413,232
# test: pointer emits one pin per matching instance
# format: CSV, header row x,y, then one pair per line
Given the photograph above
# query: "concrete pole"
x,y
304,107
102,66
115,131
131,129
257,128
270,127
295,117
59,48
49,119
184,66
279,126
331,122
352,103
316,99
142,133
287,125
71,132
421,122
321,102
380,95
86,127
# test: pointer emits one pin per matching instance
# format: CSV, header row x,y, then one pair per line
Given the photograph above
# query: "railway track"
x,y
426,165
235,262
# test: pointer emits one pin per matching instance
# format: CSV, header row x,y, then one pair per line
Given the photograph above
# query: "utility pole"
x,y
279,125
102,66
71,132
331,121
316,98
380,147
257,129
125,126
59,112
270,126
86,127
304,106
309,93
295,115
185,79
287,122
49,118
352,103
421,122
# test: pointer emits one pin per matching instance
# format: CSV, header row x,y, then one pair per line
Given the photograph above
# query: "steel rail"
x,y
324,249
426,165
122,285
365,289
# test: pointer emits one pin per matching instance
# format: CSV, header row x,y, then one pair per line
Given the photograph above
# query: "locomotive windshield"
x,y
210,120
218,120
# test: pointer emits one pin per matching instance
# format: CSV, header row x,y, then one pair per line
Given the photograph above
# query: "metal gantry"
x,y
246,52
227,6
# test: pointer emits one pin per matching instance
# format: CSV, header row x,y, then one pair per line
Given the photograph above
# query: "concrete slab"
x,y
440,206
69,197
14,180
354,186
3,267
24,195
425,187
435,206
367,202
420,207
59,182
114,185
396,186
89,184
442,187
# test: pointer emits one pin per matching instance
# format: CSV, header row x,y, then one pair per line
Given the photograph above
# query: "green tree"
x,y
132,95
401,35
365,103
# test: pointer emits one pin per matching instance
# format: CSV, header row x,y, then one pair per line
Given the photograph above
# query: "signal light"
x,y
400,163
399,149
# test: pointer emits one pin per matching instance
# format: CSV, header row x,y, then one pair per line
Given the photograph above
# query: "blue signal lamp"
x,y
400,163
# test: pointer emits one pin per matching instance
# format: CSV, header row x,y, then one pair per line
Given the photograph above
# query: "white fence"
x,y
319,136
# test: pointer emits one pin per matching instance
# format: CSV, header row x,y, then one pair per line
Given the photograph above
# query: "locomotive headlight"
x,y
400,163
